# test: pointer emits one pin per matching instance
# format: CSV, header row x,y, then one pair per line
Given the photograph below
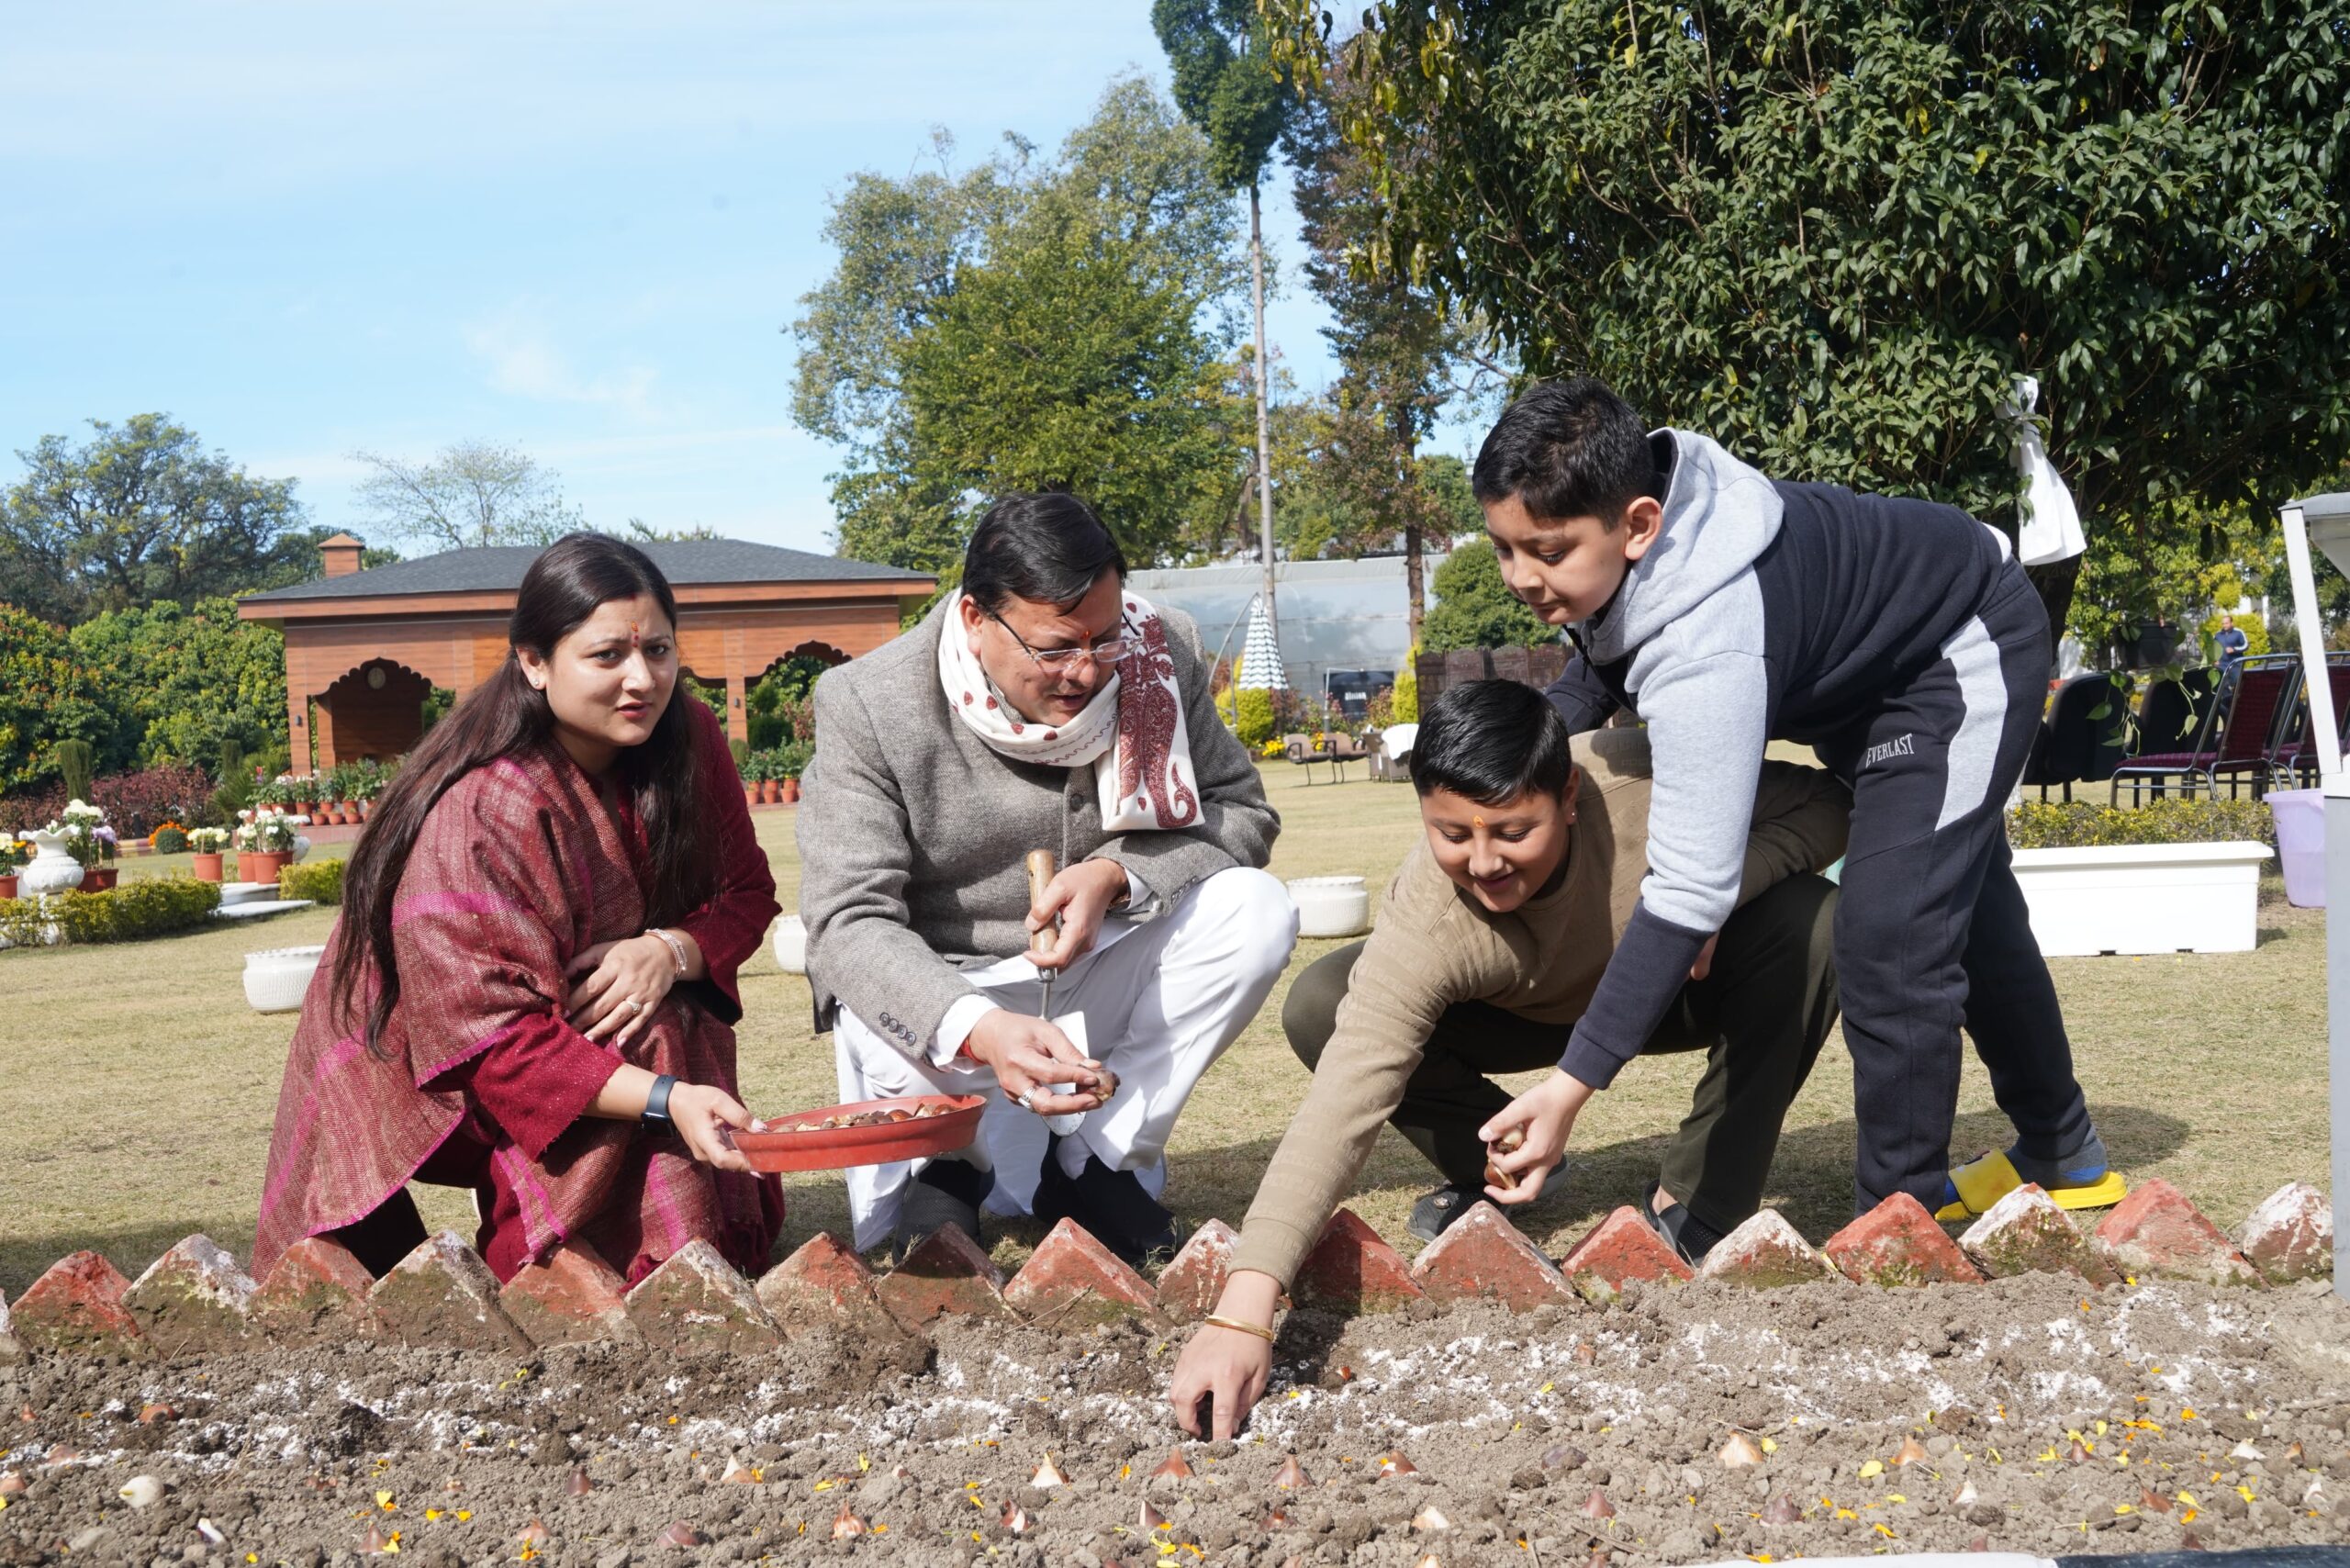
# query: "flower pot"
x,y
276,977
770,792
367,810
260,866
98,878
346,811
1330,906
750,794
50,870
791,791
792,945
9,886
305,807
2144,898
206,868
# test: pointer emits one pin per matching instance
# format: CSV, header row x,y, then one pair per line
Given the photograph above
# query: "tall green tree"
x,y
1405,354
1831,231
1031,323
1227,84
138,514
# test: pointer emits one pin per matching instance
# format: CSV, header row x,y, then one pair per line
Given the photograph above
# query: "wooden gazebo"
x,y
368,646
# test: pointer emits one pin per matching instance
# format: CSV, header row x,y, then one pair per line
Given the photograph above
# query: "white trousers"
x,y
1161,998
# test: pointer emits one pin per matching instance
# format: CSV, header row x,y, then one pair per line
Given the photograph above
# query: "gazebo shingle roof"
x,y
500,567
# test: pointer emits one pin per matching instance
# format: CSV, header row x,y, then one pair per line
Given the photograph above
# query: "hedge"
x,y
152,906
2080,824
320,880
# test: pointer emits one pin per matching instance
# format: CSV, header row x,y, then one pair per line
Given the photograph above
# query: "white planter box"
x,y
275,978
2144,898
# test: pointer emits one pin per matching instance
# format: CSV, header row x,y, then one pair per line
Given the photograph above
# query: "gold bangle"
x,y
1213,1321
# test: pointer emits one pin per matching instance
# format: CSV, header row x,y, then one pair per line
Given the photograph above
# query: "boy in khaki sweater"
x,y
1487,947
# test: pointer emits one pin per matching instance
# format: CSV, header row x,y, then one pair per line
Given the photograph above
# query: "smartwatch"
x,y
656,1103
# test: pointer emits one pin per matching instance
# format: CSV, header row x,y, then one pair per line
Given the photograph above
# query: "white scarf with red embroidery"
x,y
1131,734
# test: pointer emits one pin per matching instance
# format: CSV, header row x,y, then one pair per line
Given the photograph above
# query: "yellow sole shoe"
x,y
1979,1184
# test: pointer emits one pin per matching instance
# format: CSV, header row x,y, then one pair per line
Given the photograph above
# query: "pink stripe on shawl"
x,y
455,902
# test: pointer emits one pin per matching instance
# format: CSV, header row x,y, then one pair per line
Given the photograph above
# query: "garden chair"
x,y
2177,730
2080,740
2240,734
1300,750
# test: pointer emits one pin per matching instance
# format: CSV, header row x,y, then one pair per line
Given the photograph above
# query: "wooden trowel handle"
x,y
1042,868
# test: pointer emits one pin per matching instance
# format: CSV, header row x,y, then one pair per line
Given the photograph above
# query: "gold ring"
x,y
633,1004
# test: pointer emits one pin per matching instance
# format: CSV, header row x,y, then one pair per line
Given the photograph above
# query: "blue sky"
x,y
304,230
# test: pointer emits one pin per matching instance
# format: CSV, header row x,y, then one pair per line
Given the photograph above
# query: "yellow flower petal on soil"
x,y
1769,1447
463,1514
1544,1389
1873,1469
2123,1508
432,1514
2246,1493
1895,1497
1885,1530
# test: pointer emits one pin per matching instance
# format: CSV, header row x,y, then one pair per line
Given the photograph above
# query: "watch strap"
x,y
656,1103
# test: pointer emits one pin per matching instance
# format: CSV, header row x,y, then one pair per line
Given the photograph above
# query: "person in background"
x,y
2231,643
531,992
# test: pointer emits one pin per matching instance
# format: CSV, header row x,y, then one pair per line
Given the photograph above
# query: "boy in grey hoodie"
x,y
1900,640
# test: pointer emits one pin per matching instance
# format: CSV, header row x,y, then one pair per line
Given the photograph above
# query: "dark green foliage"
x,y
149,906
1226,82
1475,608
1029,324
319,880
1830,231
168,841
141,514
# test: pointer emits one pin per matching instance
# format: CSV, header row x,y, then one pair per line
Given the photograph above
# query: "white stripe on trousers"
x,y
1975,745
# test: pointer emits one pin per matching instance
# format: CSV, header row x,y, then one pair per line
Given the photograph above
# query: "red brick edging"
x,y
196,1297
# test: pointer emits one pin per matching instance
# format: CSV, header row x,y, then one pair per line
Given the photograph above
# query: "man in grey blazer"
x,y
1041,706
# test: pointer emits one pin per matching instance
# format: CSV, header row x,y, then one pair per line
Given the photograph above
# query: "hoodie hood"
x,y
1719,515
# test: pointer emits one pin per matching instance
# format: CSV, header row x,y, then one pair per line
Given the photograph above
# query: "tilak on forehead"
x,y
635,635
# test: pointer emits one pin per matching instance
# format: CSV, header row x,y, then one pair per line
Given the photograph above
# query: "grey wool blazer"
x,y
913,833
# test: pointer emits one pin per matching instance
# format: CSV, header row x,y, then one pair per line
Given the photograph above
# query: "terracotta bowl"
x,y
794,1143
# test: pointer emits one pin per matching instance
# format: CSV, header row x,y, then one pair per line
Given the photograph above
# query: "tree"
x,y
1226,84
140,514
47,695
1042,324
1475,608
471,493
1831,231
1404,353
183,681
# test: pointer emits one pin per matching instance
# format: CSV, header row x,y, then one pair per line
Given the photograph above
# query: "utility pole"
x,y
1264,398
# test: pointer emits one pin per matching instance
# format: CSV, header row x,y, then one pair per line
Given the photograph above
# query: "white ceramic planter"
x,y
50,870
792,945
1330,906
2144,898
275,978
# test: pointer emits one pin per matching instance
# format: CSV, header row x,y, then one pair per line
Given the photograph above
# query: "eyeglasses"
x,y
1108,651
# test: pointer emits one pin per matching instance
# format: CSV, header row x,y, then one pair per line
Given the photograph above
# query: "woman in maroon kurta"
x,y
531,988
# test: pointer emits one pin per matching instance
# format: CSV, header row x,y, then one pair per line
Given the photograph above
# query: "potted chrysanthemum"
x,y
209,845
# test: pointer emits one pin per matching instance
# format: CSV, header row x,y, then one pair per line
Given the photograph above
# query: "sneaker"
x,y
2081,1180
1436,1212
943,1193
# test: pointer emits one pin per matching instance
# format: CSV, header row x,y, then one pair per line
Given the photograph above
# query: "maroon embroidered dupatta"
x,y
518,868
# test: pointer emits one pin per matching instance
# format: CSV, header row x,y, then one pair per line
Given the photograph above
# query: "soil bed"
x,y
2068,1413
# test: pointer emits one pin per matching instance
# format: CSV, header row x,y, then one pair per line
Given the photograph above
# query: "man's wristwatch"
x,y
656,1103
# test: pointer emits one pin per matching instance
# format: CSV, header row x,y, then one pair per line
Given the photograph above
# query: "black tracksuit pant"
x,y
1932,930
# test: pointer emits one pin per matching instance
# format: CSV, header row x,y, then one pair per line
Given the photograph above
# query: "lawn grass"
x,y
144,1087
